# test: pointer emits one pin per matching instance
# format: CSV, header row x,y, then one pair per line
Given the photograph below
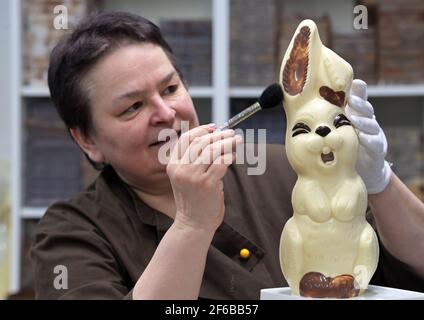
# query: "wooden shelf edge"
x,y
32,212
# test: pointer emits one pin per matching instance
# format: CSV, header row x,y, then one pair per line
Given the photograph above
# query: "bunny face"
x,y
321,140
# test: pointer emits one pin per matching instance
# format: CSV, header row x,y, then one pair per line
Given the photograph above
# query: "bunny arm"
x,y
350,200
309,198
291,255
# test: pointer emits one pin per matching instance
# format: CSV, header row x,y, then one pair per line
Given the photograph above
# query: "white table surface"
x,y
372,293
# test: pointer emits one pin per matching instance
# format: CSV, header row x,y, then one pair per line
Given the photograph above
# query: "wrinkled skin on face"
x,y
135,92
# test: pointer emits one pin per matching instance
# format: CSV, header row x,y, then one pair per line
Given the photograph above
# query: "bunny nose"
x,y
323,130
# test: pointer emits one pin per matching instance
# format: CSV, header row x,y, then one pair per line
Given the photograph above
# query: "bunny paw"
x,y
344,208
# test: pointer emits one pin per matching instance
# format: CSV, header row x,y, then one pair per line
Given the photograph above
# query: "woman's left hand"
x,y
374,170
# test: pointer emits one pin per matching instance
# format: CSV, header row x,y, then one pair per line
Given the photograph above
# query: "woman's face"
x,y
135,92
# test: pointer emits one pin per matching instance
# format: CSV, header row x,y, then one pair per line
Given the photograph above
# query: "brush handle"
x,y
246,113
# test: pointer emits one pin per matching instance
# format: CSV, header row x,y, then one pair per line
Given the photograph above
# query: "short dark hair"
x,y
76,53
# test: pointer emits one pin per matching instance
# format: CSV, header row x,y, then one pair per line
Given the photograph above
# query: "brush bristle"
x,y
271,96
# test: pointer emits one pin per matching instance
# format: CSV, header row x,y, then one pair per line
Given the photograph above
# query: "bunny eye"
x,y
300,128
341,120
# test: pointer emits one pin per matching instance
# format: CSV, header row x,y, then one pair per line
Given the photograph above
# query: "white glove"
x,y
374,170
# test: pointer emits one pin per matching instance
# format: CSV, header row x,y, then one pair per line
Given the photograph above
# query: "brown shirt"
x,y
106,236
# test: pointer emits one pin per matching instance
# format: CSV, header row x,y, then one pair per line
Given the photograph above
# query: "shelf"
x,y
35,92
201,92
32,212
246,92
43,92
406,90
255,92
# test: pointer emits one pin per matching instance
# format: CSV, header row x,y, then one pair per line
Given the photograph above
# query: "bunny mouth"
x,y
327,158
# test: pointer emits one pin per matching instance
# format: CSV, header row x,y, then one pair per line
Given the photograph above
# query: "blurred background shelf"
x,y
373,91
43,92
201,92
245,92
33,212
409,90
33,91
254,92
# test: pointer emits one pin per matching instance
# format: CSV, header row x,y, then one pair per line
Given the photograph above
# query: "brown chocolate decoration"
x,y
295,70
335,97
316,285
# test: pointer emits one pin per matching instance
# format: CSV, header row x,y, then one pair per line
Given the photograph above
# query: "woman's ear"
x,y
88,145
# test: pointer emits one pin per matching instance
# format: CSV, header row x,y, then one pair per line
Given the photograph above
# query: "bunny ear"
x,y
296,67
338,98
301,64
311,71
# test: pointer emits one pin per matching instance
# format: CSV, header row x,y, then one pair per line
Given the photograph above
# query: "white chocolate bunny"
x,y
327,248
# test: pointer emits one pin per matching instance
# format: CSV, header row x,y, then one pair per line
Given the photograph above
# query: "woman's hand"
x,y
198,162
371,166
